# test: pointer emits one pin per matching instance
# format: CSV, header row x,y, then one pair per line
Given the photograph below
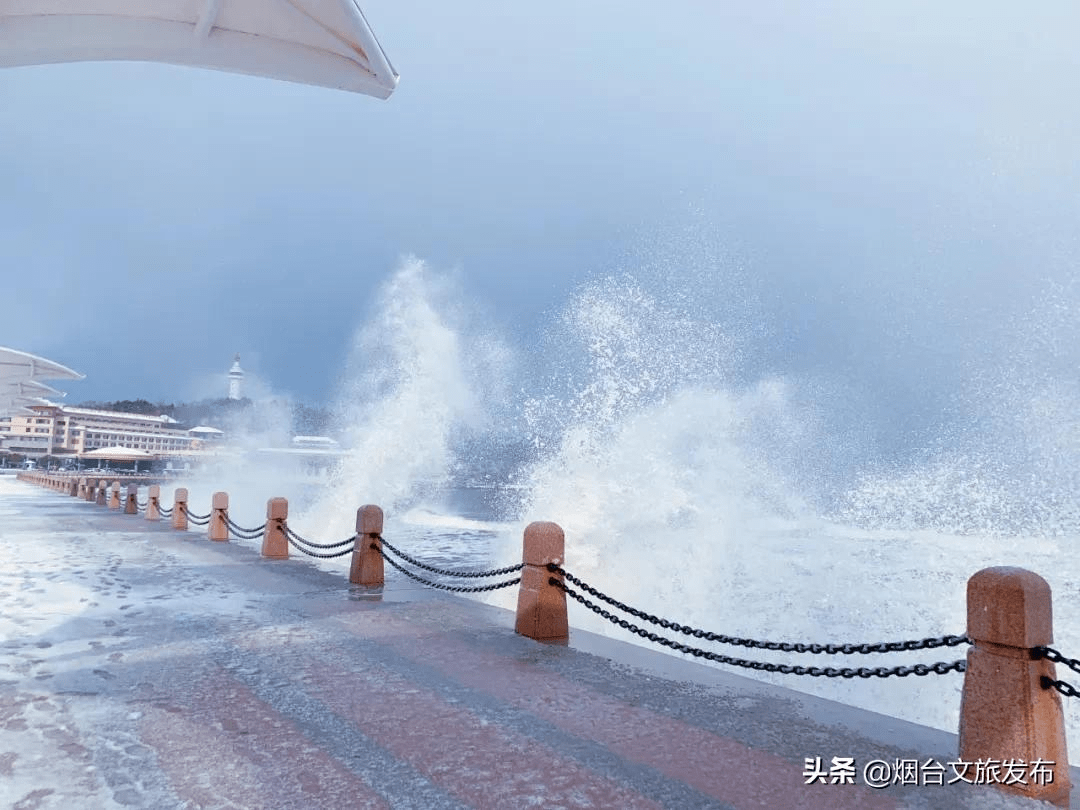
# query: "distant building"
x,y
315,443
59,430
236,379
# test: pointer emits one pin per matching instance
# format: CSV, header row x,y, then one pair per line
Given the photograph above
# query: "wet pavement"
x,y
142,667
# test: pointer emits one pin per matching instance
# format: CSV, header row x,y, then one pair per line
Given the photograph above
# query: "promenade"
x,y
141,667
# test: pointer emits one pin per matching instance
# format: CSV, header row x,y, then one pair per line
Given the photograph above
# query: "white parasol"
x,y
320,42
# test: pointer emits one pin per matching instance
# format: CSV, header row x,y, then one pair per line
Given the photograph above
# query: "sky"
x,y
896,183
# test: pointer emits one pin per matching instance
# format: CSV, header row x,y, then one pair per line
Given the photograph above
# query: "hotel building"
x,y
58,430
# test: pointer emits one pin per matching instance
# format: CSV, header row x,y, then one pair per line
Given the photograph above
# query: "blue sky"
x,y
895,183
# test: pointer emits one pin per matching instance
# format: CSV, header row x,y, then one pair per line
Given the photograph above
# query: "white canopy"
x,y
16,365
20,372
117,452
25,388
320,42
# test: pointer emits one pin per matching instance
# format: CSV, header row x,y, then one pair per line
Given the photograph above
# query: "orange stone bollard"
x,y
218,528
275,545
1005,714
179,513
367,562
131,503
541,607
114,495
102,492
153,502
82,488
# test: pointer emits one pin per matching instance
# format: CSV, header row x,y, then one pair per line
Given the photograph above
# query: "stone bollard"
x,y
179,513
153,502
541,607
131,500
114,495
218,528
367,562
275,545
74,485
102,492
1005,714
82,488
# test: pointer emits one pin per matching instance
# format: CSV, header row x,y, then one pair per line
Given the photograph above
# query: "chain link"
x,y
201,520
1063,687
762,666
163,511
781,646
439,585
141,506
1050,654
510,569
303,550
294,536
242,533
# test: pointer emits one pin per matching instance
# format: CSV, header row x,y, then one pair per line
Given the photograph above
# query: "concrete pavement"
x,y
147,668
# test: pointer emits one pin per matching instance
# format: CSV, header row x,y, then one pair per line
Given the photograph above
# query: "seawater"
x,y
699,478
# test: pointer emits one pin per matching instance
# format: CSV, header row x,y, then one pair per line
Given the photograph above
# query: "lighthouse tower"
x,y
236,377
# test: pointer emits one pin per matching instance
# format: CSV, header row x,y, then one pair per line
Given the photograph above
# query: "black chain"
x,y
163,511
510,569
762,666
439,585
782,646
1063,687
1050,654
300,548
294,536
202,520
242,533
141,506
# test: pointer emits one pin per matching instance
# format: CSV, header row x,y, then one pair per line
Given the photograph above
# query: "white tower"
x,y
236,377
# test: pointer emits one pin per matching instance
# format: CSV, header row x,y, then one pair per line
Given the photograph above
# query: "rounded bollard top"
x,y
220,500
277,508
180,493
154,491
544,543
369,519
1009,606
102,483
132,489
116,485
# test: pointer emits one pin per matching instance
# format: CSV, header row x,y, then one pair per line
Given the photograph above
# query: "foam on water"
x,y
1009,462
410,390
426,518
